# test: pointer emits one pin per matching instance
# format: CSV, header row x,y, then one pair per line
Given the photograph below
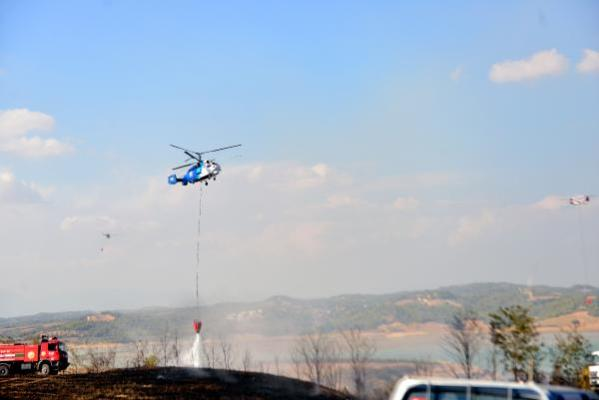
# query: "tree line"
x,y
508,343
516,348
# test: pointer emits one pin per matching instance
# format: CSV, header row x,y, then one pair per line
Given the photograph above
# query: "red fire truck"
x,y
47,357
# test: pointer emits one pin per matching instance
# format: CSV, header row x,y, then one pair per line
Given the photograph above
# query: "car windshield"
x,y
572,395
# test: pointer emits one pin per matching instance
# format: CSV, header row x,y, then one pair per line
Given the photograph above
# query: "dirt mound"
x,y
586,322
163,383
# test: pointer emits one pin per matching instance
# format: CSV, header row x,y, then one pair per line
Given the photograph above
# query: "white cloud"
x,y
255,173
550,203
308,236
308,177
470,227
456,74
406,203
15,124
287,175
35,147
337,200
87,221
13,191
322,170
543,63
420,181
589,63
7,177
421,226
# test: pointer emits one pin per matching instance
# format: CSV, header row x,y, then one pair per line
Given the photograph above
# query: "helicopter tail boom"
x,y
173,180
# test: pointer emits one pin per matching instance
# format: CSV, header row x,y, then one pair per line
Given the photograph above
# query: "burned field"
x,y
161,383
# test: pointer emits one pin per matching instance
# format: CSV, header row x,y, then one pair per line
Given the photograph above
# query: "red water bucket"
x,y
197,325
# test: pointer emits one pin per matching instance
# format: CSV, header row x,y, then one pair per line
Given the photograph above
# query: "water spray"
x,y
196,350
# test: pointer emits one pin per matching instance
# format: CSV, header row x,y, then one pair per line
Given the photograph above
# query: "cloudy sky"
x,y
385,147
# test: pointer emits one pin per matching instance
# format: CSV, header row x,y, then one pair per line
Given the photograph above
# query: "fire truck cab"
x,y
48,357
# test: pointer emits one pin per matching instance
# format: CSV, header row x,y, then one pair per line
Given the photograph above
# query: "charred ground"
x,y
162,383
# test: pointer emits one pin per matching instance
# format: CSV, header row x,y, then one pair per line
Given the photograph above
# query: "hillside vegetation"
x,y
282,315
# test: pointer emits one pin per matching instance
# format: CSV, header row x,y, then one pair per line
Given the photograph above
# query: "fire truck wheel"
x,y
45,369
4,370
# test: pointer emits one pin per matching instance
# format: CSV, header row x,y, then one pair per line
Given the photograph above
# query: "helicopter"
x,y
580,200
200,171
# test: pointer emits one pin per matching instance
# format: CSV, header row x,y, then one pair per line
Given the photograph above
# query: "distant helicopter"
x,y
200,171
580,200
107,236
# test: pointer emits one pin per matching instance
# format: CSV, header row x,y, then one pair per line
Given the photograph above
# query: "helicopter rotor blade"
x,y
192,154
199,157
184,165
219,149
179,147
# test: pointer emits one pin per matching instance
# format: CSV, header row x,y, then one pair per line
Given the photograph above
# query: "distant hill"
x,y
282,315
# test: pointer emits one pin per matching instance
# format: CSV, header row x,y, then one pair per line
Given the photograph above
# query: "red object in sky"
x,y
197,326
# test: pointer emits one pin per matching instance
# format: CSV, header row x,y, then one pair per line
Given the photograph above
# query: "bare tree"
x,y
297,364
493,361
227,353
164,347
423,367
462,341
100,360
315,356
141,351
383,391
333,373
176,348
360,350
246,362
277,366
211,354
76,360
263,368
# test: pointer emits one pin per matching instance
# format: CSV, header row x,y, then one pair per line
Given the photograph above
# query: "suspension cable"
x,y
198,248
583,246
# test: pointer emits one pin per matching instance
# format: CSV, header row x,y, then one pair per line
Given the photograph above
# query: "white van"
x,y
462,389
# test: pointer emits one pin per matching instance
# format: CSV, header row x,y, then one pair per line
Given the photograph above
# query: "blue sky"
x,y
394,97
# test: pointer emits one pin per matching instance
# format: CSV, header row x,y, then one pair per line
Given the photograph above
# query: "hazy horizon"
x,y
191,304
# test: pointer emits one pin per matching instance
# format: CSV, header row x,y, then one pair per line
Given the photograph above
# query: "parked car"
x,y
462,389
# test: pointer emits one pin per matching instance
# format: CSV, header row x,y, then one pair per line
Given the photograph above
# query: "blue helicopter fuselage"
x,y
198,173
